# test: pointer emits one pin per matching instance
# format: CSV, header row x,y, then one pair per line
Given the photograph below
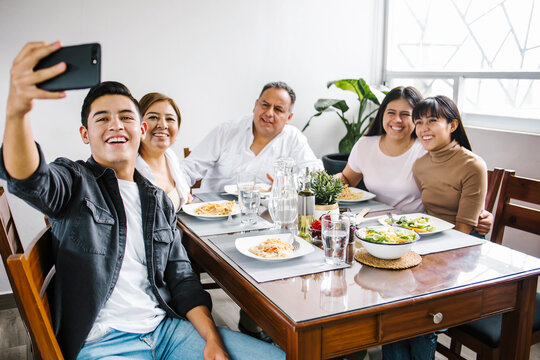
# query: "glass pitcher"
x,y
283,202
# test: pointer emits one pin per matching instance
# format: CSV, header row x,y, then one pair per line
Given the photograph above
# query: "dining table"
x,y
325,314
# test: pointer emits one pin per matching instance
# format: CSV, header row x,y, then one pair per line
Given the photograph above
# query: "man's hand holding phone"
x,y
23,80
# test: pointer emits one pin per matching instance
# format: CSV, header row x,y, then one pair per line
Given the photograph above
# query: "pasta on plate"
x,y
215,209
348,194
273,248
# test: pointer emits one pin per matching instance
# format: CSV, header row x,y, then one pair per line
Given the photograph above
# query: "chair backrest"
x,y
494,182
186,152
516,216
10,242
30,274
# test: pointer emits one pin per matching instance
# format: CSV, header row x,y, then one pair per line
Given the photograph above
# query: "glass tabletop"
x,y
322,294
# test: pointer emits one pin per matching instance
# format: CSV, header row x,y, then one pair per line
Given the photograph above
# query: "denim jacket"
x,y
88,220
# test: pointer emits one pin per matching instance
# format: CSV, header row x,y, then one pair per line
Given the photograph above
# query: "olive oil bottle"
x,y
306,206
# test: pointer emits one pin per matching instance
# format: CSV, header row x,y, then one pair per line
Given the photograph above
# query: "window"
x,y
483,54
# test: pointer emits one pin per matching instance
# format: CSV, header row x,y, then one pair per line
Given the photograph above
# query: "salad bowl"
x,y
386,242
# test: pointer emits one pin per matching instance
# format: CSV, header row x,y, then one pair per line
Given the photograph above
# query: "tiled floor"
x,y
13,338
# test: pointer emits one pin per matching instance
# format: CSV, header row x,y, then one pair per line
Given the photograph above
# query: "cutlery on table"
x,y
391,217
295,244
360,216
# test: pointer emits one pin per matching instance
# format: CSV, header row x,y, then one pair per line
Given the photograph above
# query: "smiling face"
x,y
272,112
397,120
434,132
114,133
162,126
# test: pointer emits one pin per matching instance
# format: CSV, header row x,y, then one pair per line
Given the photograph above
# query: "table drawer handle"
x,y
437,318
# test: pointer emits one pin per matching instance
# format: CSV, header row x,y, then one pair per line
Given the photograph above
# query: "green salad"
x,y
420,224
387,235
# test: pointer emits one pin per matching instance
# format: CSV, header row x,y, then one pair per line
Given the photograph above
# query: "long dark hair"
x,y
409,93
443,107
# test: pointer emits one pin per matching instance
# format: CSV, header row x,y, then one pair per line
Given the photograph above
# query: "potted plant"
x,y
326,189
369,100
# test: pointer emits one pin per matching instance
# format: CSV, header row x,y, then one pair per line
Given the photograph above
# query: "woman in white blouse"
x,y
156,161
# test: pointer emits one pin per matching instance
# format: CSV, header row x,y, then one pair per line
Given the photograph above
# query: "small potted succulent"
x,y
326,189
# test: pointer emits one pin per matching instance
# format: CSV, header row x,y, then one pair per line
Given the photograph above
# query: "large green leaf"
x,y
347,84
370,93
326,104
379,95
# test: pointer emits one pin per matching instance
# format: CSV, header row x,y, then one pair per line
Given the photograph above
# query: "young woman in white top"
x,y
156,160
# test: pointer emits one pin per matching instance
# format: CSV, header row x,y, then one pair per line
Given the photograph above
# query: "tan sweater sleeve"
x,y
473,192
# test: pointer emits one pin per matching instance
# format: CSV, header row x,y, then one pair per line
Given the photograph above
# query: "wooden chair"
x,y
10,242
494,182
198,182
483,336
30,275
11,248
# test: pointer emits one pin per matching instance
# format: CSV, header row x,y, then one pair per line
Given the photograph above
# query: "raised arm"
x,y
20,153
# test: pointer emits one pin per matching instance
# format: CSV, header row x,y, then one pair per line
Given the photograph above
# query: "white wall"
x,y
211,56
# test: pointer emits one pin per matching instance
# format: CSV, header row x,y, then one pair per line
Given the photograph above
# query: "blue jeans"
x,y
418,348
174,339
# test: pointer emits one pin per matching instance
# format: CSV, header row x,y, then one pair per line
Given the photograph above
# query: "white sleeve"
x,y
204,156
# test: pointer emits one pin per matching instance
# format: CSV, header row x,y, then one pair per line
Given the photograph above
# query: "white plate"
x,y
190,210
440,225
233,190
243,244
367,196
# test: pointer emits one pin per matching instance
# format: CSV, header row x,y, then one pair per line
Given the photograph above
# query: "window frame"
x,y
525,125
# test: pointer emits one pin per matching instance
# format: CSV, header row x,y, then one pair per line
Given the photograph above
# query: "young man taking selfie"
x,y
124,286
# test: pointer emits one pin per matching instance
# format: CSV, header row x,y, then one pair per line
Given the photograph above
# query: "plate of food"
x,y
264,189
212,210
275,247
352,195
423,224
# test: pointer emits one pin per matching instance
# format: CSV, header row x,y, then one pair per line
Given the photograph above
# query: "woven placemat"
x,y
408,260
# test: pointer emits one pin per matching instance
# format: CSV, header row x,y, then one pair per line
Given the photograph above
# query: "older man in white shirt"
x,y
251,144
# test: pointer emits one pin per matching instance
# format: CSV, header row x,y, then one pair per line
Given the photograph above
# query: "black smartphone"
x,y
83,67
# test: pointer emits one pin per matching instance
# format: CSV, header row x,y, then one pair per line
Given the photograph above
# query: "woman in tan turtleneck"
x,y
451,178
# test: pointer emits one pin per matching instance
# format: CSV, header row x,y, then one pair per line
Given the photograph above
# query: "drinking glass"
x,y
249,198
335,236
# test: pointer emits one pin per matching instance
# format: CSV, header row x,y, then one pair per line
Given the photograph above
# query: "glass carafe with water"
x,y
283,201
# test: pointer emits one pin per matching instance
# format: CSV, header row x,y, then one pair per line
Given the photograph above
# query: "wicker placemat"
x,y
408,260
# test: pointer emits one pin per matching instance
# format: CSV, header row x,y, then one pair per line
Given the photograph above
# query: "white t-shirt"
x,y
225,152
132,306
388,177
